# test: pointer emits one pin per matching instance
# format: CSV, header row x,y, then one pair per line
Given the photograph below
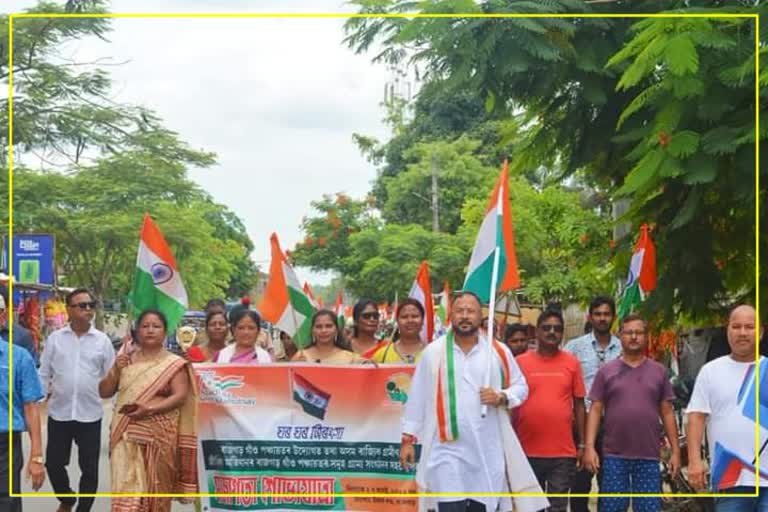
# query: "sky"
x,y
276,99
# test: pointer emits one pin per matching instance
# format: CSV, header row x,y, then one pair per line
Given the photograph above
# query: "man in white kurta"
x,y
485,457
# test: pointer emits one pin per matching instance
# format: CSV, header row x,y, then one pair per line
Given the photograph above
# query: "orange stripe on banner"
x,y
276,293
442,426
155,242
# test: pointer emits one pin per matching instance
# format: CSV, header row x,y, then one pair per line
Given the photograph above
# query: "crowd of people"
x,y
509,415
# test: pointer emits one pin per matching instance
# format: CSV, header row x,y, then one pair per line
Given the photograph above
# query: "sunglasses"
x,y
551,327
84,305
370,316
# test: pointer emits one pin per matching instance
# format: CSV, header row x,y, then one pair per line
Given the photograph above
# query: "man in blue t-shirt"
x,y
25,416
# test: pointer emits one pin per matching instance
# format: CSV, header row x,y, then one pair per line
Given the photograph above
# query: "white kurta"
x,y
475,461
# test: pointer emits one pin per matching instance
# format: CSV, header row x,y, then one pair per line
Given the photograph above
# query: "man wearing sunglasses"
x,y
75,358
545,421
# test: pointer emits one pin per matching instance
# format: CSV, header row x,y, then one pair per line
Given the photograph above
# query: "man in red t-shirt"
x,y
544,423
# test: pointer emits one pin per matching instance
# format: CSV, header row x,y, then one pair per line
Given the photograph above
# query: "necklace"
x,y
408,358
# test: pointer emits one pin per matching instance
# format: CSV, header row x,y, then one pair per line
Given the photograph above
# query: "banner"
x,y
33,260
301,429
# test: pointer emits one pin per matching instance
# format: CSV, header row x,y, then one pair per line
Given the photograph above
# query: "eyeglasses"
x,y
551,327
370,316
84,305
637,333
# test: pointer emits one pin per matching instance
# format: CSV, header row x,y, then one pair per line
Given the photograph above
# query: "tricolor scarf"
x,y
447,415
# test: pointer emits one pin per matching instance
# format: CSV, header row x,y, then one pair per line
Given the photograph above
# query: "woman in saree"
x,y
328,344
407,348
246,325
366,317
217,330
153,446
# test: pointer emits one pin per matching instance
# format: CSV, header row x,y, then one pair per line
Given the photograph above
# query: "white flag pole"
x,y
492,298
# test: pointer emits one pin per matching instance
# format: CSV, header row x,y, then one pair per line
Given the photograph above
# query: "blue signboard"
x,y
33,260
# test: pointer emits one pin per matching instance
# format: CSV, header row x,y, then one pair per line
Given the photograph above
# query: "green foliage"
x,y
460,175
699,131
384,260
660,110
561,246
96,214
326,244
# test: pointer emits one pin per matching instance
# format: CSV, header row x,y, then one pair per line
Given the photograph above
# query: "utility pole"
x,y
435,203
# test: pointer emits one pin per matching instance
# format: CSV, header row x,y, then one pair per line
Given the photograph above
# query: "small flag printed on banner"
x,y
313,400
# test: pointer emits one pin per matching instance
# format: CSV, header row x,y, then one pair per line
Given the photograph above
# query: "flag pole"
x,y
492,298
491,322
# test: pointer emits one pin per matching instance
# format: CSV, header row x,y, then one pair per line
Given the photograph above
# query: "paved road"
x,y
45,504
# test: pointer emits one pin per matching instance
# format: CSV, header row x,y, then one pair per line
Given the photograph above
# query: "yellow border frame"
x,y
756,17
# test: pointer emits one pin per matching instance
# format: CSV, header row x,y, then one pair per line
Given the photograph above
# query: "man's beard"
x,y
602,330
466,330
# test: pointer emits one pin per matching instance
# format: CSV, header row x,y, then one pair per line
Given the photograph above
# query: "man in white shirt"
x,y
462,450
723,400
75,358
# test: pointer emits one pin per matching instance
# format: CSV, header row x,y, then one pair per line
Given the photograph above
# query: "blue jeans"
x,y
630,476
746,504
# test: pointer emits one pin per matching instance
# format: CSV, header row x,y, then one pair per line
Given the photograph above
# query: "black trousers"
x,y
8,504
87,436
555,475
582,480
460,506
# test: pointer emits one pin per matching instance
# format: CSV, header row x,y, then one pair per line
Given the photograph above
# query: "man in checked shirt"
x,y
593,350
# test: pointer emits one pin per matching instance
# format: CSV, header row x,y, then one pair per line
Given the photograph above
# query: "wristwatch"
x,y
39,459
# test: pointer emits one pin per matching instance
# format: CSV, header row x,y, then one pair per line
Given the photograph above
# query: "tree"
x,y
562,247
228,226
383,260
460,175
96,215
103,164
327,235
694,155
440,114
606,98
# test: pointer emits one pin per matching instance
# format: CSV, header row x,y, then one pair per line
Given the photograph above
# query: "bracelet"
x,y
408,439
581,446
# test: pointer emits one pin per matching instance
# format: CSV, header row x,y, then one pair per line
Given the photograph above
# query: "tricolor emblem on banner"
x,y
313,400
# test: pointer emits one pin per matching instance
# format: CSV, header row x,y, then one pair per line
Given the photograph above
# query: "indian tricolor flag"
x,y
157,283
444,308
642,274
422,292
313,400
495,231
338,308
311,296
284,303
